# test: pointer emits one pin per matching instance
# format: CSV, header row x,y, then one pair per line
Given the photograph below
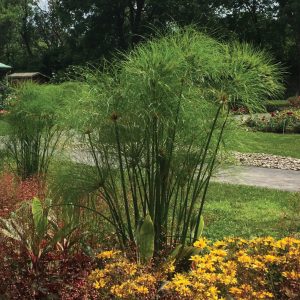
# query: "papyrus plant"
x,y
34,132
154,122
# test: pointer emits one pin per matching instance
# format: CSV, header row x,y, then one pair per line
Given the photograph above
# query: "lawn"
x,y
3,128
263,142
249,211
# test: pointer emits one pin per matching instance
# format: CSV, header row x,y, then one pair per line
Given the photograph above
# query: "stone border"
x,y
267,161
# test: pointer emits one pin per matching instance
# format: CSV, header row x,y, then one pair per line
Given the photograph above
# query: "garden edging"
x,y
267,161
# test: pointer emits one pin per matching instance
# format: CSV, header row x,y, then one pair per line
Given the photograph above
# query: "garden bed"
x,y
286,121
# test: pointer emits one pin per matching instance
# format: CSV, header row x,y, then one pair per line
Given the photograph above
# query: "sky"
x,y
43,4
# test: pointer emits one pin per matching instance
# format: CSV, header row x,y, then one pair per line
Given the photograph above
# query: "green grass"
x,y
233,210
263,142
3,128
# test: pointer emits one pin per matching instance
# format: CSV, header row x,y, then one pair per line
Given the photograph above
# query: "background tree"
x,y
74,32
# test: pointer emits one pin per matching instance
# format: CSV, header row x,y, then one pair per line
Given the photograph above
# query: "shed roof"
x,y
26,75
3,66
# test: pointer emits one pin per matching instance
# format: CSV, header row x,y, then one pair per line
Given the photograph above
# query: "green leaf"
x,y
200,228
39,217
145,240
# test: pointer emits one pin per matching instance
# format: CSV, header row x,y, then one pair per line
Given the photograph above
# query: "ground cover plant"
x,y
234,268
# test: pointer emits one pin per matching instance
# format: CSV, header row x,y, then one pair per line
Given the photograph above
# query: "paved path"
x,y
286,180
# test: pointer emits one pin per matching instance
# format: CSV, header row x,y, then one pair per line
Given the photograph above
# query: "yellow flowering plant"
x,y
120,278
233,268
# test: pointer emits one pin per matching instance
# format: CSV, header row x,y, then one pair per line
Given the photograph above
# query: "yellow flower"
x,y
235,291
227,279
256,264
107,254
124,266
219,252
99,284
219,244
212,293
270,258
197,259
181,284
230,240
141,290
262,295
286,242
128,288
201,243
170,267
180,279
291,275
146,278
244,259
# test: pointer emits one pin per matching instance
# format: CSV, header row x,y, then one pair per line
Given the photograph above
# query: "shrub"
x,y
34,132
286,121
294,101
41,253
38,228
5,91
260,268
60,276
153,125
276,105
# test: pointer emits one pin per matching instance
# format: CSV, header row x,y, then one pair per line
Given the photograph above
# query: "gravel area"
x,y
268,161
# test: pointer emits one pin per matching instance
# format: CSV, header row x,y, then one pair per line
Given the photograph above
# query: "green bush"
x,y
276,105
34,132
5,91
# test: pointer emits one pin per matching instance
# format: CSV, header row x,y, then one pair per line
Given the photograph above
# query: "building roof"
x,y
3,66
26,75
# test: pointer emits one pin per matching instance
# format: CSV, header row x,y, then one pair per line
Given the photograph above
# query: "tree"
x,y
289,11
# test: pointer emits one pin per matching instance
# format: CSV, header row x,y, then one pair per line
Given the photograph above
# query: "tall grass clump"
x,y
34,132
154,123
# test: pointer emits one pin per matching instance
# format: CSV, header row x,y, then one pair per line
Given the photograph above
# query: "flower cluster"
x,y
280,122
233,268
120,278
261,268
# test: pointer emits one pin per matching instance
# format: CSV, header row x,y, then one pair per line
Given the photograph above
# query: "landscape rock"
x,y
268,161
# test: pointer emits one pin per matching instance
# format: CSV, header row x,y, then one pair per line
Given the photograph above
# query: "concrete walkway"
x,y
286,180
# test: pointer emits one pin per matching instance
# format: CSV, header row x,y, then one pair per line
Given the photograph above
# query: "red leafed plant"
x,y
14,190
